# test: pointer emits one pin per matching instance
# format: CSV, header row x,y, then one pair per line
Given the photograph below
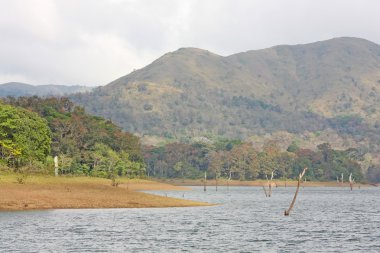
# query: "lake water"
x,y
323,220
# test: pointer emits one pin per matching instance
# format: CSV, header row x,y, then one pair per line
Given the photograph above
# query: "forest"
x,y
241,161
33,130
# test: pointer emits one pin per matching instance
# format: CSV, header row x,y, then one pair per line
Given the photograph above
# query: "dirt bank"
x,y
40,192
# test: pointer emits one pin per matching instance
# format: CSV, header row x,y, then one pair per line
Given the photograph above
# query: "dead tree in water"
x,y
351,180
205,181
216,181
269,182
265,191
228,182
286,213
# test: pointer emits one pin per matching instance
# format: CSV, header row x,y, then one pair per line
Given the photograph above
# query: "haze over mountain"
x,y
331,85
15,89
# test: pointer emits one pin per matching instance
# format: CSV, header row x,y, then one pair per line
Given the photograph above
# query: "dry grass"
x,y
43,192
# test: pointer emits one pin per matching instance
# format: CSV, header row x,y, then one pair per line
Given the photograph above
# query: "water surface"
x,y
323,220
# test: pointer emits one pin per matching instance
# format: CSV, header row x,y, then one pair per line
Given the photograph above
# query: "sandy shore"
x,y
39,192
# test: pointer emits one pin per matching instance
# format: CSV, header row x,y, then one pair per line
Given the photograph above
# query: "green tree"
x,y
76,137
24,136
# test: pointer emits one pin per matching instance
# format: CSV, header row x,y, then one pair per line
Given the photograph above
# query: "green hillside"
x,y
329,86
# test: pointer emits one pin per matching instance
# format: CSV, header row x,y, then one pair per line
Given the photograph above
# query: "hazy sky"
x,y
93,42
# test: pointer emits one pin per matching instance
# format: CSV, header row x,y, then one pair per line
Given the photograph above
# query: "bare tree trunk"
x,y
265,191
270,189
351,180
228,182
56,166
269,183
216,181
204,182
287,212
127,180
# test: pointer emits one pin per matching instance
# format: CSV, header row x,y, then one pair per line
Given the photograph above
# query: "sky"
x,y
93,42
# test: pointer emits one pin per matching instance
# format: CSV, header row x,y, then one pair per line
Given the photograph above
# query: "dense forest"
x,y
34,130
241,161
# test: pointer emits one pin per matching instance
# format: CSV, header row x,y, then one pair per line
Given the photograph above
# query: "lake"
x,y
323,220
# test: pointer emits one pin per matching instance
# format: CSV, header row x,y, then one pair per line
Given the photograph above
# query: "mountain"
x,y
15,89
328,85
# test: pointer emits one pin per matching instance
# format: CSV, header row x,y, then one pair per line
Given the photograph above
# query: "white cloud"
x,y
94,42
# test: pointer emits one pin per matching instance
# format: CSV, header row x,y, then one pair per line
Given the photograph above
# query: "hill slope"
x,y
333,84
15,89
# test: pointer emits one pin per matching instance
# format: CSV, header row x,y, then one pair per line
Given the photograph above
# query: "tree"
x,y
293,147
75,137
24,136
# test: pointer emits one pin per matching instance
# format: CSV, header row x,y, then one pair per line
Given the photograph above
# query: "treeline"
x,y
242,162
33,130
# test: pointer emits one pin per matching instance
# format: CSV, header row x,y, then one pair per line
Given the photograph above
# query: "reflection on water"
x,y
323,220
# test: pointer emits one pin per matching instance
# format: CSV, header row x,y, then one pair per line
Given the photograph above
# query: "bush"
x,y
21,178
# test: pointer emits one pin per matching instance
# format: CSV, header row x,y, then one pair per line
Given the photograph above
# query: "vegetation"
x,y
191,91
25,137
33,130
243,162
329,86
85,145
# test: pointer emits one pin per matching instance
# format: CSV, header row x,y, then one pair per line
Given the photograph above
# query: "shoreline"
x,y
47,192
39,192
258,183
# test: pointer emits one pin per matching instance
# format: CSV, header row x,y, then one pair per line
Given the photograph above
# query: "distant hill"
x,y
15,89
328,85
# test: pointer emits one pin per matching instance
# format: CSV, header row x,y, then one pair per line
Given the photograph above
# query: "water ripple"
x,y
323,220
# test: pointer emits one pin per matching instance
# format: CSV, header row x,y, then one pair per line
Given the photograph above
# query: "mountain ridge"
x,y
331,85
18,89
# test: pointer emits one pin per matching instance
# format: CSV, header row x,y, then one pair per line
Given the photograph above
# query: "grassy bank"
x,y
46,192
